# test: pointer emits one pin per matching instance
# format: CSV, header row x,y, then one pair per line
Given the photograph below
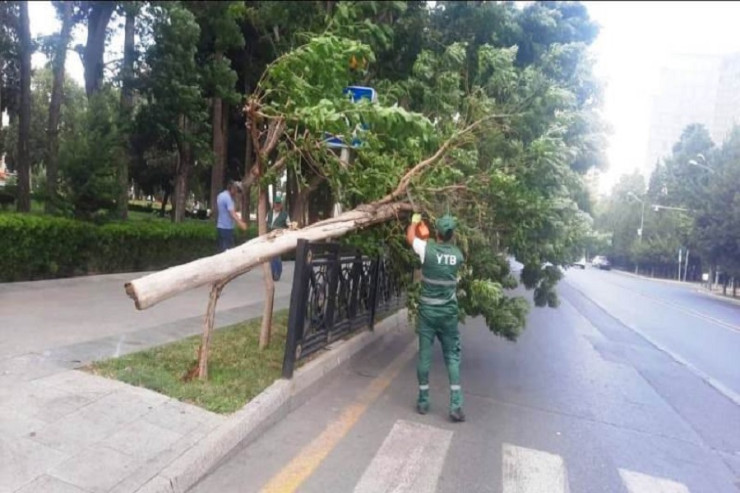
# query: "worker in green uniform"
x,y
438,311
277,218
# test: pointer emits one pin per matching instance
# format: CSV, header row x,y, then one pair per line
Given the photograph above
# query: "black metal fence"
x,y
336,292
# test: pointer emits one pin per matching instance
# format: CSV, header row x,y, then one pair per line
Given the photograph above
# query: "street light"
x,y
642,214
642,223
702,165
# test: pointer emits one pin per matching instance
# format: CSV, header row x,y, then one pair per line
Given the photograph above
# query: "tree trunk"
x,y
127,106
24,126
266,327
184,164
246,182
92,59
164,202
210,318
217,171
149,290
55,106
181,184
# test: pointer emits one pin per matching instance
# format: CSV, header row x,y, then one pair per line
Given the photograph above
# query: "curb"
x,y
712,382
719,296
259,414
656,279
695,286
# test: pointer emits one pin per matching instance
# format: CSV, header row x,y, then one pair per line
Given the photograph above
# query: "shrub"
x,y
42,247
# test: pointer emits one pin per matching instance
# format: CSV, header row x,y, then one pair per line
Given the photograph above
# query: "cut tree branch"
x,y
434,159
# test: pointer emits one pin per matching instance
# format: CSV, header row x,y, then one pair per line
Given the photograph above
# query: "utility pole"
x,y
679,263
642,225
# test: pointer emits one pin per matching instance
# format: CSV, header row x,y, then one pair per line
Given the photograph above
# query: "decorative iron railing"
x,y
336,293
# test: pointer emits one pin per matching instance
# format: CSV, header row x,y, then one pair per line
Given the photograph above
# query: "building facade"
x,y
687,93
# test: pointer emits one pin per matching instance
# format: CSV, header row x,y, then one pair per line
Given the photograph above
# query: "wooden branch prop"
x,y
149,290
208,322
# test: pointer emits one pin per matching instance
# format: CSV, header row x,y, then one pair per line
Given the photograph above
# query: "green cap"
x,y
445,223
278,199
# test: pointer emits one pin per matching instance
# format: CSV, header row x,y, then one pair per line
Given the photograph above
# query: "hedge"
x,y
44,247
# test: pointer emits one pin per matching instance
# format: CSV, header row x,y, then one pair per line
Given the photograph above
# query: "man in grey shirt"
x,y
227,216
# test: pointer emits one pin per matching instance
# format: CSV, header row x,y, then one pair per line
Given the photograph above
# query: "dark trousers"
x,y
276,265
225,239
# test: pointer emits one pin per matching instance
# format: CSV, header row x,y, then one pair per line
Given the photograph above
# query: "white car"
x,y
581,264
601,262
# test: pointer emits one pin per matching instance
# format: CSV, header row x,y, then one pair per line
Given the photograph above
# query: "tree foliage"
x,y
488,110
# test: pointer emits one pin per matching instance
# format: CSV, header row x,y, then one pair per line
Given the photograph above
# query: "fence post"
x,y
355,293
297,314
334,271
374,288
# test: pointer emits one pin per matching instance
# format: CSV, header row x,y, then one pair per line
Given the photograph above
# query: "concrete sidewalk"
x,y
63,430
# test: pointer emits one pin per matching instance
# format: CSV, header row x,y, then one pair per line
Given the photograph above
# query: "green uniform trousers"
x,y
434,322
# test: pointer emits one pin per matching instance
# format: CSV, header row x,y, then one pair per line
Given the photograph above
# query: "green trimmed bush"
x,y
42,247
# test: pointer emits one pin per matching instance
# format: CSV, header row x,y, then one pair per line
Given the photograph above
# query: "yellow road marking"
x,y
292,475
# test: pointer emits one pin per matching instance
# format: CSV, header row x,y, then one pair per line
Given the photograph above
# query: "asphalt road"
x,y
582,403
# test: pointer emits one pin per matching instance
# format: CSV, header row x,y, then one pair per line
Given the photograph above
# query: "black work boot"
x,y
457,415
422,403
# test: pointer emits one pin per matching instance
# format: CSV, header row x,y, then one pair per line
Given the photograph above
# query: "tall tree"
x,y
175,110
130,11
220,33
55,106
98,15
9,66
24,125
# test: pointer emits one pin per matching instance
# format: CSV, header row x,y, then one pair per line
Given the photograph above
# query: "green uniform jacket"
x,y
281,222
439,271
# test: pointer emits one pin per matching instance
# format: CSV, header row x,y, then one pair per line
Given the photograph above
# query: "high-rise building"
x,y
687,93
694,89
727,106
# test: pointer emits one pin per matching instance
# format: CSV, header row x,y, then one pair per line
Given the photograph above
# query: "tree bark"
x,y
181,182
165,198
266,327
210,318
24,123
149,290
182,172
217,171
127,106
55,106
97,24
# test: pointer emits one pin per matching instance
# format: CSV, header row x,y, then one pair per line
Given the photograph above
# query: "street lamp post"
x,y
642,224
702,165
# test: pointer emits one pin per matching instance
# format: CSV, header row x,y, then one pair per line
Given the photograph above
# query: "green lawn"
x,y
237,369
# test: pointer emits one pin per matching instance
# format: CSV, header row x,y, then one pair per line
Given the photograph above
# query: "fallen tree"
x,y
507,175
149,290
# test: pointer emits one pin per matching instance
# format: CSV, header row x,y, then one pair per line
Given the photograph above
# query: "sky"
x,y
635,39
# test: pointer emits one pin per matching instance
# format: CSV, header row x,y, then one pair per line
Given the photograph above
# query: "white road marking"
x,y
533,471
642,483
410,460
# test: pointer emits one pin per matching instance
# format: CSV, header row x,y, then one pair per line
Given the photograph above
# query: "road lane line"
x,y
409,461
533,471
695,313
711,381
636,482
295,473
680,307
